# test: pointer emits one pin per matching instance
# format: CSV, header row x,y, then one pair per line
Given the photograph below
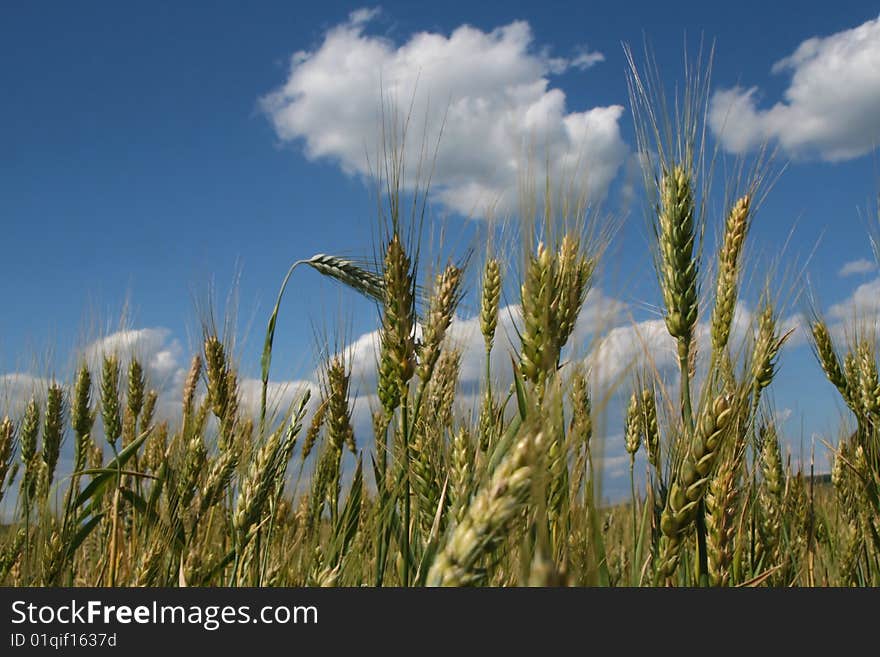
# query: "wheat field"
x,y
509,495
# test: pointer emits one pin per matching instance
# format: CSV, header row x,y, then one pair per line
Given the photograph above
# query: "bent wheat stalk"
x,y
345,271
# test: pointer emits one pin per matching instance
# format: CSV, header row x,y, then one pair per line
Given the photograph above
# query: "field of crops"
x,y
510,495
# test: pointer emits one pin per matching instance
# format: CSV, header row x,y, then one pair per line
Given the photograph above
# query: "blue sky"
x,y
146,151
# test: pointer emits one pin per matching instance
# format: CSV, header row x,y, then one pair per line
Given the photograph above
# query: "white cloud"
x,y
16,390
830,110
586,59
860,266
798,328
492,89
863,303
363,15
280,395
159,353
626,346
615,466
857,316
783,415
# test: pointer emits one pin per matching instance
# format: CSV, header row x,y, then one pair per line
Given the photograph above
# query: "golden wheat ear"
x,y
735,230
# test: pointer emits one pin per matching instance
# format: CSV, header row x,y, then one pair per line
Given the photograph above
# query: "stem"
x,y
753,533
133,547
702,564
114,532
27,529
68,501
334,499
233,577
381,494
266,359
115,527
255,562
383,538
604,578
632,489
687,415
404,425
489,371
382,450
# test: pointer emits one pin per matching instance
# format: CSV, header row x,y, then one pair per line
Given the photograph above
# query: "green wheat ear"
x,y
490,301
651,427
441,308
735,230
53,430
7,448
677,240
634,429
111,412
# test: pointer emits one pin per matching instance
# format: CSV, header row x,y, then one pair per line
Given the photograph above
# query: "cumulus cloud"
x,y
490,91
853,267
830,110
